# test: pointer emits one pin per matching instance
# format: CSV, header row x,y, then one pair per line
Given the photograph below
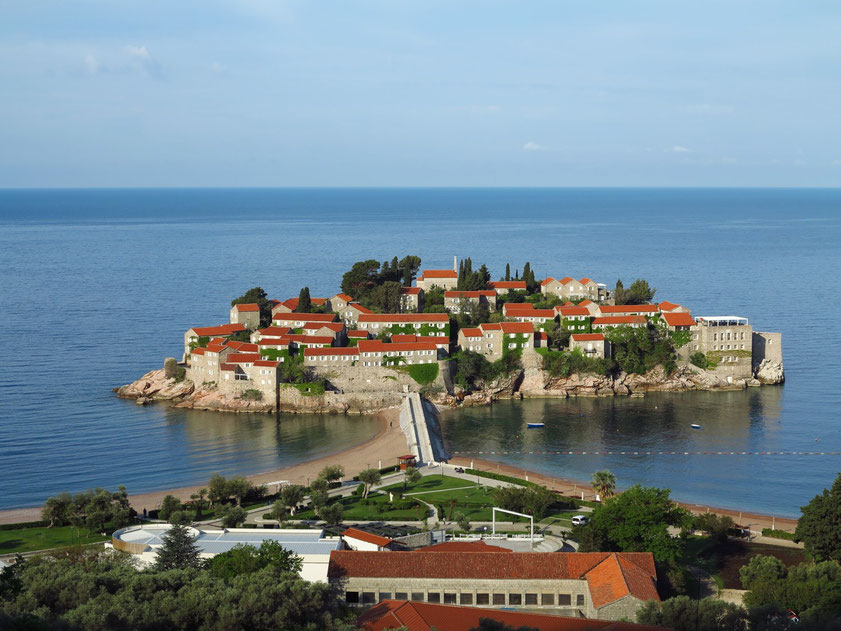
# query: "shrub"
x,y
699,360
778,534
252,395
424,373
169,505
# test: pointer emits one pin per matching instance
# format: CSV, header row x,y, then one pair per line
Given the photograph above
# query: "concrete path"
x,y
708,588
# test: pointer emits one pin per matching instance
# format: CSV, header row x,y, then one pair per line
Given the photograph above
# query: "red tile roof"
x,y
358,307
405,317
312,339
418,616
516,327
616,577
476,565
292,303
227,367
585,303
439,273
410,290
241,347
469,294
668,306
275,341
353,333
404,337
465,546
585,280
566,280
267,363
318,352
243,358
314,326
508,284
344,296
274,331
533,313
378,346
197,351
247,306
572,311
629,308
472,332
489,326
680,318
367,537
588,337
221,330
304,317
631,319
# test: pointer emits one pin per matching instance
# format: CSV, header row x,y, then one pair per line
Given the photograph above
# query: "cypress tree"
x,y
527,273
304,301
508,271
179,551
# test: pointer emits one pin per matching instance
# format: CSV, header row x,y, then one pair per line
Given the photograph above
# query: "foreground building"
x,y
605,585
416,616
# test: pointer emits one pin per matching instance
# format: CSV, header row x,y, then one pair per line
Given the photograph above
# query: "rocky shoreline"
x,y
357,397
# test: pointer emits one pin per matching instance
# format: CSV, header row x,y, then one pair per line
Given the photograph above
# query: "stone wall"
x,y
767,346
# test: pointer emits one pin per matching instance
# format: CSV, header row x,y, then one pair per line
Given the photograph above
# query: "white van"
x,y
580,520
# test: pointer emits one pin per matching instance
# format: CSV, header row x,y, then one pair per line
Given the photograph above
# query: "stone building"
x,y
569,288
291,304
411,299
540,318
727,339
611,322
505,286
298,320
351,312
454,300
337,303
493,340
418,323
574,319
442,343
247,314
378,353
198,335
649,311
591,344
442,278
331,357
605,585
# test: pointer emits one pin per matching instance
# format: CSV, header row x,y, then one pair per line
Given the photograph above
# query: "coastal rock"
x,y
155,386
770,372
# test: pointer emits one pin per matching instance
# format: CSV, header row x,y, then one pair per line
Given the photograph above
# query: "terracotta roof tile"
x,y
243,358
439,273
410,290
547,281
680,318
336,350
267,363
472,332
508,284
304,317
274,331
573,311
354,333
588,337
629,308
247,306
344,296
516,327
221,330
423,318
465,546
367,537
610,320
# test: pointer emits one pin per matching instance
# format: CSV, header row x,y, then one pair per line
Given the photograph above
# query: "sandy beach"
x,y
754,521
384,446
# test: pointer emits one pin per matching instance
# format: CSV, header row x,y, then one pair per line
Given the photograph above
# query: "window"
x,y
466,599
531,599
449,599
417,596
564,599
499,599
483,599
433,597
368,598
385,596
715,336
547,599
352,598
579,600
515,599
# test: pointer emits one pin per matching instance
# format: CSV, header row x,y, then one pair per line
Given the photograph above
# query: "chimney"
x,y
455,264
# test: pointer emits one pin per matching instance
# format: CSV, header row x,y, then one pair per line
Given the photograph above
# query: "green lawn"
x,y
31,539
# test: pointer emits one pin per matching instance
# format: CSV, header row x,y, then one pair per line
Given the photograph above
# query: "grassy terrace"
x,y
43,538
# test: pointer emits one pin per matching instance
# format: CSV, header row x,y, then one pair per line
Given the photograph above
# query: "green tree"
x,y
409,266
717,527
819,527
463,522
370,478
56,509
386,297
636,351
304,301
361,277
508,271
232,516
411,475
684,614
279,511
639,293
239,487
217,489
620,296
604,482
292,495
245,559
332,473
257,295
638,520
169,504
332,513
179,517
179,550
198,501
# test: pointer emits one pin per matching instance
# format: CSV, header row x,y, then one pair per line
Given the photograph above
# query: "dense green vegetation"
x,y
819,528
423,373
96,589
639,293
566,363
43,538
470,280
378,286
636,351
91,509
473,368
257,295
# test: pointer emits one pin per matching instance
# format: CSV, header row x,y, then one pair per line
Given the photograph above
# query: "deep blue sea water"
x,y
98,286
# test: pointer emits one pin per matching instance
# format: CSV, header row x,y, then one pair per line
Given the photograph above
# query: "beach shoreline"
x,y
574,488
388,443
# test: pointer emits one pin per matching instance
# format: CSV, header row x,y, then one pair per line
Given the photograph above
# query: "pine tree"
x,y
508,271
304,301
178,551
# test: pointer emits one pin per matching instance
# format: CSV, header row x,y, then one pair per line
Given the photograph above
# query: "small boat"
x,y
695,426
535,425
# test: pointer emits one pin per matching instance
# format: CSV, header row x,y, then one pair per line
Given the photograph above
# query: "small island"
x,y
458,338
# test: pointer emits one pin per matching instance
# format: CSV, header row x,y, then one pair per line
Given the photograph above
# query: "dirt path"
x,y
388,443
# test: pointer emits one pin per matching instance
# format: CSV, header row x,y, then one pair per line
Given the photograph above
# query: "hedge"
x,y
424,373
25,524
778,534
500,477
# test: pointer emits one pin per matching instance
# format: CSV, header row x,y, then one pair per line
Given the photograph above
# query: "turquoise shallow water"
x,y
98,286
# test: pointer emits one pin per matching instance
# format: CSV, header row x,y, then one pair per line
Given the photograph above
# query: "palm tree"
x,y
604,482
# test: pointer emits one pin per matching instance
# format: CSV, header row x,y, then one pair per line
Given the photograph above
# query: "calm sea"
x,y
98,286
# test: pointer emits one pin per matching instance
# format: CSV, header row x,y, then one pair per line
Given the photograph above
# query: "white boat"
x,y
535,425
695,426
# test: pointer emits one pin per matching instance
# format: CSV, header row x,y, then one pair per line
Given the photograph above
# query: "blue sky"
x,y
426,93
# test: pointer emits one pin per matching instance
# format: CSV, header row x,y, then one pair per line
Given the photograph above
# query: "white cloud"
x,y
533,146
145,61
678,149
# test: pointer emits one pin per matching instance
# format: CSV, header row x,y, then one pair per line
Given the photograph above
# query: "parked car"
x,y
580,520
